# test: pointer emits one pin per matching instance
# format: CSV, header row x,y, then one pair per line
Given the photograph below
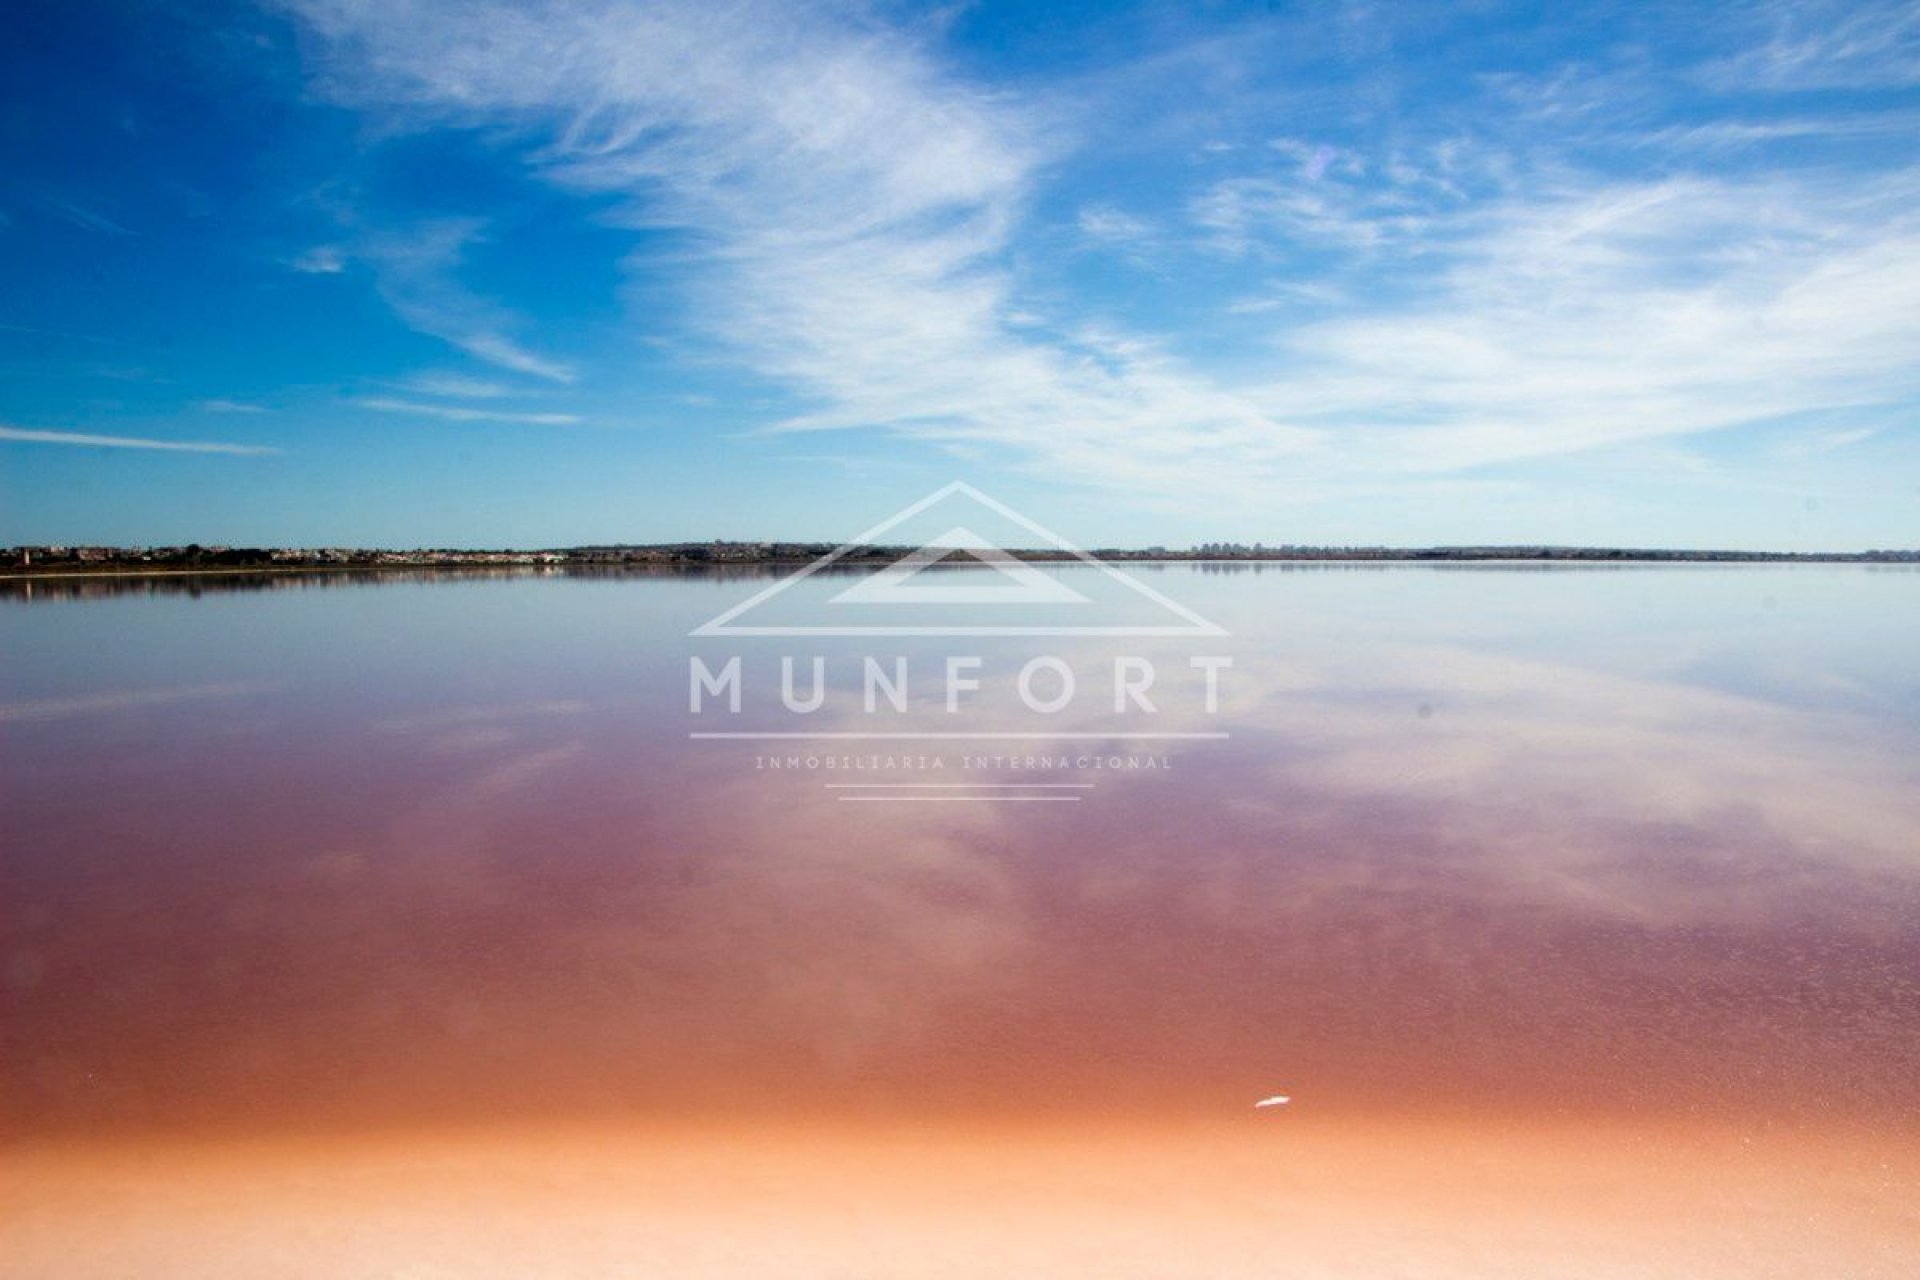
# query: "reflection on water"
x,y
1617,852
49,588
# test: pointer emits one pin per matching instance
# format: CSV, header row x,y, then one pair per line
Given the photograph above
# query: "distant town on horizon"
x,y
58,559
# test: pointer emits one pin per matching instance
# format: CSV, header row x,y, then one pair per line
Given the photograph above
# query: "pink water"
x,y
401,928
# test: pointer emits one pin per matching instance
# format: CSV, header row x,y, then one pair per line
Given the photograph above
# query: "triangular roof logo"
x,y
992,583
914,579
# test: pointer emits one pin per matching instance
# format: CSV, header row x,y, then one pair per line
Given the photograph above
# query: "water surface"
x,y
1577,912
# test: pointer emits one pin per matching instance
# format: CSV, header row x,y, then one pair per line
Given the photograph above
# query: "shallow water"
x,y
1572,909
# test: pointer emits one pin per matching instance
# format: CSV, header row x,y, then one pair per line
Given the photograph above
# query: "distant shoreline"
x,y
53,562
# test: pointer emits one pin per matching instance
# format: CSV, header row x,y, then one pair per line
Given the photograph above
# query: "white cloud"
x,y
321,260
1814,443
855,204
1626,311
1314,160
1107,224
230,406
1242,215
81,216
417,273
417,270
127,442
854,209
461,413
498,349
1730,134
40,709
1827,44
456,387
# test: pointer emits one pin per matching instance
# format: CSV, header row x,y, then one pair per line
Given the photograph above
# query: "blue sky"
x,y
415,273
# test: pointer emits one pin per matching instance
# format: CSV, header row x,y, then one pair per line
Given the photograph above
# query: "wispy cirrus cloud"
x,y
1246,215
1825,44
81,216
463,413
1109,225
230,406
321,260
457,387
43,709
417,271
1611,311
1731,134
87,440
855,204
1466,296
1814,443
